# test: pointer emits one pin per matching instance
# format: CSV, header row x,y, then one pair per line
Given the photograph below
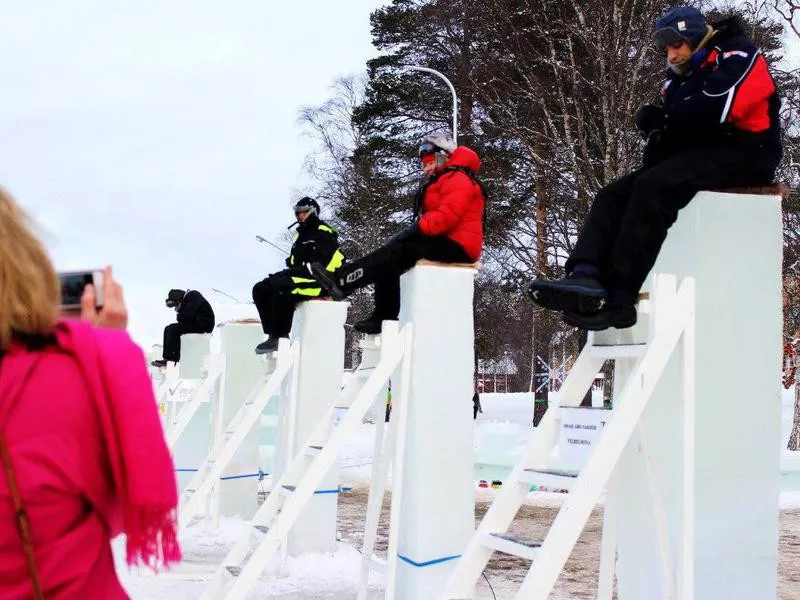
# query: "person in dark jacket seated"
x,y
716,126
448,227
195,315
276,296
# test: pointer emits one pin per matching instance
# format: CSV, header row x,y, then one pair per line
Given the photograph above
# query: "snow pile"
x,y
331,576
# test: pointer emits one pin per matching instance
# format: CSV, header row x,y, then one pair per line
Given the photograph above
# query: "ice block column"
x,y
195,443
731,244
238,489
437,515
318,326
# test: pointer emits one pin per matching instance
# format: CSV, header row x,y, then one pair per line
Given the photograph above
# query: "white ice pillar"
x,y
194,355
318,326
437,514
732,245
193,446
243,370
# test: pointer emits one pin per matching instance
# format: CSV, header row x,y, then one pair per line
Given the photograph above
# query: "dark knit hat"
x,y
175,296
684,23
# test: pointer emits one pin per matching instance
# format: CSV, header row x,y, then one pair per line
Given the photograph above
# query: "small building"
x,y
496,375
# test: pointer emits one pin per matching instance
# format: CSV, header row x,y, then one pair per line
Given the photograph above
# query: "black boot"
x,y
159,363
267,346
619,311
576,292
620,317
370,325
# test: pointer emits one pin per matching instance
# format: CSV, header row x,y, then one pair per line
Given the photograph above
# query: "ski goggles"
x,y
667,36
427,149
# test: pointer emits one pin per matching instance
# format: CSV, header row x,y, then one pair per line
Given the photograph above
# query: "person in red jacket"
x,y
448,227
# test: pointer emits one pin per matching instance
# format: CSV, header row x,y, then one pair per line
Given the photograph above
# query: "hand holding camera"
x,y
95,296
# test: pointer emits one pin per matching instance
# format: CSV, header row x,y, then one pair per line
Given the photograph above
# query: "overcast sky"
x,y
160,136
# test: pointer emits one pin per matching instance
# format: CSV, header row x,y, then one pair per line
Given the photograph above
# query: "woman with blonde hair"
x,y
82,452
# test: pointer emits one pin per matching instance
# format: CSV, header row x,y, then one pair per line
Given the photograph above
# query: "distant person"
x,y
388,403
476,405
447,227
716,126
276,296
83,452
195,315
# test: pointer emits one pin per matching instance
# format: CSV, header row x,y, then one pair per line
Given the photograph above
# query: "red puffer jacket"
x,y
452,204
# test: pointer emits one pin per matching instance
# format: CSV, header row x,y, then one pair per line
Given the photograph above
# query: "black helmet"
x,y
307,204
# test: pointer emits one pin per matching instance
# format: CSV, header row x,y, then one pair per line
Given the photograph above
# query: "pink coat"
x,y
60,450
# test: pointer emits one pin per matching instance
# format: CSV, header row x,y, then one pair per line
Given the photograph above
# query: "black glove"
x,y
653,149
405,233
300,270
288,261
649,118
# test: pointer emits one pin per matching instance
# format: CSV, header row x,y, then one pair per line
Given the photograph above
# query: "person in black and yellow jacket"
x,y
276,296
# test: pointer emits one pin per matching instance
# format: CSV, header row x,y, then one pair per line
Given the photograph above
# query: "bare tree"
x,y
347,182
789,10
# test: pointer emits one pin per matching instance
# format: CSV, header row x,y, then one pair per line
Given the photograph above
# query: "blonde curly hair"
x,y
30,290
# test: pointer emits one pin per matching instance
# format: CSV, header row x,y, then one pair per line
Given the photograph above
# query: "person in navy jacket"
x,y
448,227
715,126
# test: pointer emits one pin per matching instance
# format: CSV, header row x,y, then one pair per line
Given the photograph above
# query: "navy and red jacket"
x,y
728,97
452,203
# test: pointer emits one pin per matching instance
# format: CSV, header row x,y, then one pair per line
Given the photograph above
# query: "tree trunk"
x,y
540,405
794,436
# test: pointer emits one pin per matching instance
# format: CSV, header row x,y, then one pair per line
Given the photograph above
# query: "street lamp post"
x,y
452,91
264,240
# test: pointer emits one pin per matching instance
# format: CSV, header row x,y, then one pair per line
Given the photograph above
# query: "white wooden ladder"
x,y
194,497
179,420
671,318
246,560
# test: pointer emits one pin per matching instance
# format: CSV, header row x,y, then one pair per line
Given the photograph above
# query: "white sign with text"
x,y
580,431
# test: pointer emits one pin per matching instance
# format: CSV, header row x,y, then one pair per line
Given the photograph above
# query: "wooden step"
x,y
508,543
551,478
313,450
611,351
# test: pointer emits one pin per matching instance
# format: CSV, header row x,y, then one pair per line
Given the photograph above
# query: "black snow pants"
x,y
172,338
384,266
628,221
275,303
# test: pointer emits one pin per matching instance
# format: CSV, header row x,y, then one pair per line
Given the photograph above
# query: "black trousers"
x,y
275,303
384,266
629,219
172,338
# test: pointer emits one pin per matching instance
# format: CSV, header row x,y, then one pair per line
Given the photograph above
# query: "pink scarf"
x,y
141,466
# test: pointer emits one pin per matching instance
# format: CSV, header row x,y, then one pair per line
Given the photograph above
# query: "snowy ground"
x,y
335,577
